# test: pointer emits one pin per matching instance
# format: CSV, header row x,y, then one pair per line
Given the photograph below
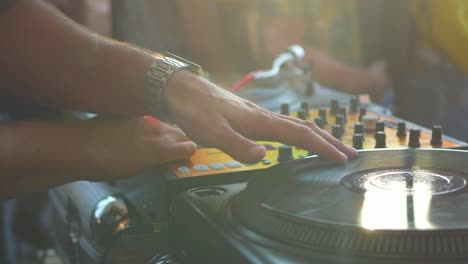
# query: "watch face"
x,y
193,67
177,64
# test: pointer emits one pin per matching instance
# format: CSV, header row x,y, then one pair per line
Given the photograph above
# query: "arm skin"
x,y
38,155
50,59
325,68
373,80
72,67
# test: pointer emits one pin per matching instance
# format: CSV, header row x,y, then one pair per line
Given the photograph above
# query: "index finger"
x,y
349,151
265,125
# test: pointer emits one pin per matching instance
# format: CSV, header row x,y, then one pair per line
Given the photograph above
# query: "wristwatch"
x,y
155,82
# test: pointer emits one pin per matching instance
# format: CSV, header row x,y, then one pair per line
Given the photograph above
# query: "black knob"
x,y
414,135
319,121
285,109
436,139
401,129
305,107
362,112
353,105
285,153
323,115
334,106
358,128
301,114
310,88
358,139
379,126
380,140
337,131
342,111
340,121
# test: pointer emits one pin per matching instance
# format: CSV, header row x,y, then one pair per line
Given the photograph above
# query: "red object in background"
x,y
243,82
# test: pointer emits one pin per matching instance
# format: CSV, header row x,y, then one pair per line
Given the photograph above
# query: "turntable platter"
x,y
406,203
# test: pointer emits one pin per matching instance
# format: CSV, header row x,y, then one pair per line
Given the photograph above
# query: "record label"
x,y
407,181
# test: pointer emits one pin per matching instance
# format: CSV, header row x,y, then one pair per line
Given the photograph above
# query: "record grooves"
x,y
410,204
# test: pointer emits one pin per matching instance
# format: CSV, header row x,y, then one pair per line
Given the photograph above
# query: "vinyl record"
x,y
410,203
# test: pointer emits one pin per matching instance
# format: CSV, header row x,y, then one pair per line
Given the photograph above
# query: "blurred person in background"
x,y
425,45
243,36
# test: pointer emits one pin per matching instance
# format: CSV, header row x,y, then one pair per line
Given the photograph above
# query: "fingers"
x,y
178,151
158,127
304,137
241,148
179,135
216,118
347,150
296,132
234,144
169,143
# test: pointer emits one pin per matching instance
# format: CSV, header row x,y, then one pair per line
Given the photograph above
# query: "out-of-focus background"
x,y
422,42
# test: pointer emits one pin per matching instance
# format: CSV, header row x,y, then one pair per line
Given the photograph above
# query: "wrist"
x,y
182,86
157,79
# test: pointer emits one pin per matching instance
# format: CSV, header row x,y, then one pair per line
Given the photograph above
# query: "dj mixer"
x,y
353,124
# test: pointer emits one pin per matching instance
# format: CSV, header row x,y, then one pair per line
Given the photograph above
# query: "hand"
x,y
123,147
53,153
216,118
381,82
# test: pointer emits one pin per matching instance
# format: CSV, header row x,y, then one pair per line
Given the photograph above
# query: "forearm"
x,y
49,58
335,74
34,156
39,155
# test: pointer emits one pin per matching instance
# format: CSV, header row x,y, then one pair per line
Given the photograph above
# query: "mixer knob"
x,y
342,111
369,122
285,153
319,121
358,128
353,105
414,138
310,88
305,107
401,129
334,106
340,121
337,131
379,126
301,114
362,113
285,109
358,139
380,140
323,115
436,139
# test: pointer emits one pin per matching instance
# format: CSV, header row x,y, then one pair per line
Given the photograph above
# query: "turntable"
x,y
387,206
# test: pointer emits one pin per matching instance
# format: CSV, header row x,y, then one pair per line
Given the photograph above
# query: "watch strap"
x,y
155,83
